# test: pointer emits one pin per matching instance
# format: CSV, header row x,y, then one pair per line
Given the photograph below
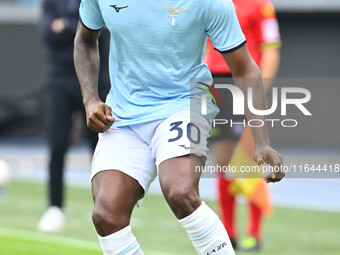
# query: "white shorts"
x,y
138,150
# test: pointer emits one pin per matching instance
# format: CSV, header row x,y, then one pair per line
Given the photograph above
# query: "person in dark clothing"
x,y
63,96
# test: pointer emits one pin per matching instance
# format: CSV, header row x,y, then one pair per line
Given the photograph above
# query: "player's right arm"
x,y
86,60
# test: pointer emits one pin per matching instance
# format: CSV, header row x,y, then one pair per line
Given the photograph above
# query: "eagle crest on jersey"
x,y
173,16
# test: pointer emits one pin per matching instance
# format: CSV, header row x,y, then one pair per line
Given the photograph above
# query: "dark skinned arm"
x,y
246,75
86,60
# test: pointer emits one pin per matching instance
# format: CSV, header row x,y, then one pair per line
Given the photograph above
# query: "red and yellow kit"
x,y
259,24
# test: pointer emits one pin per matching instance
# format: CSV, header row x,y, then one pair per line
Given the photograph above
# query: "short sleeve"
x,y
269,25
222,26
90,14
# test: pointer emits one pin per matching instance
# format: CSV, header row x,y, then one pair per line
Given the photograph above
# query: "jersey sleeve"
x,y
90,14
222,26
269,27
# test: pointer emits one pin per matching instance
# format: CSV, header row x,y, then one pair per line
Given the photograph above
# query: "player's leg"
x,y
255,215
60,112
222,150
58,109
227,208
175,144
180,189
252,242
115,195
116,192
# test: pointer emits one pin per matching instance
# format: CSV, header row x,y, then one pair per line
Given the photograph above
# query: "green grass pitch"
x,y
290,231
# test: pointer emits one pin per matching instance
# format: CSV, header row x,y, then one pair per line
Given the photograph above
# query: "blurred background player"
x,y
259,24
63,96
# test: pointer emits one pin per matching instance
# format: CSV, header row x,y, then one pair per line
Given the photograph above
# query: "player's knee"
x,y
183,201
108,220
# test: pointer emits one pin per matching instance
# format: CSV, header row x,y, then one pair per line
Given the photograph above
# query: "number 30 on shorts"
x,y
176,126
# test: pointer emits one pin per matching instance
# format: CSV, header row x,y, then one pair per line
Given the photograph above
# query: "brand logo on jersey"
x,y
183,146
173,16
118,8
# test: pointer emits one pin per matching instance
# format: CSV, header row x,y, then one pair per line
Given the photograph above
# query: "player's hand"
x,y
98,115
265,154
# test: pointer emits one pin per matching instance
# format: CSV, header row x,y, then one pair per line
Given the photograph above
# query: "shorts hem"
x,y
178,155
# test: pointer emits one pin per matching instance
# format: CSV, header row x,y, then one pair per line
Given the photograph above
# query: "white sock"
x,y
121,242
207,232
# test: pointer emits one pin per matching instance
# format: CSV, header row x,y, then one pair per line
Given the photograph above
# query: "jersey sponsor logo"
x,y
173,16
118,8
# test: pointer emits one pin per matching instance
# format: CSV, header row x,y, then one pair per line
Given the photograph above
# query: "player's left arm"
x,y
248,75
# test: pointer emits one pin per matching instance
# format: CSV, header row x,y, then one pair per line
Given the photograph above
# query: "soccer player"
x,y
156,48
259,24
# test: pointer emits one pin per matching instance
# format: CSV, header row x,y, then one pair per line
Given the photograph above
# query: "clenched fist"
x,y
98,115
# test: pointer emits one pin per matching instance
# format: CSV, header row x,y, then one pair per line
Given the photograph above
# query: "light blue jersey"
x,y
157,46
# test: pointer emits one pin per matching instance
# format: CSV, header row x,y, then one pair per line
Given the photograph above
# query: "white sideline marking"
x,y
59,240
47,238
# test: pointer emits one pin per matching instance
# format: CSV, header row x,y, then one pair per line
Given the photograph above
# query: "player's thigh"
x,y
120,152
179,186
181,134
120,168
115,192
179,146
179,174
